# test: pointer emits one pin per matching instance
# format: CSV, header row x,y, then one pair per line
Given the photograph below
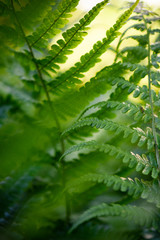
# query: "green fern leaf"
x,y
156,47
139,26
134,54
131,109
140,215
155,60
32,13
52,23
133,160
152,19
135,188
141,39
101,124
118,183
99,84
136,133
103,81
71,39
89,60
23,98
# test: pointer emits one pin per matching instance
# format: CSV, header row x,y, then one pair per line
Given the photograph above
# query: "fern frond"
x,y
35,104
152,19
141,216
103,81
64,105
24,99
155,47
96,86
137,133
137,17
9,36
135,188
110,74
97,105
89,60
133,160
141,39
153,31
140,71
136,111
155,59
138,26
90,144
124,84
32,13
52,23
100,124
134,54
71,39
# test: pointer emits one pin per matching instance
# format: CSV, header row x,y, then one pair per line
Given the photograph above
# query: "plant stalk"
x,y
67,204
118,45
150,96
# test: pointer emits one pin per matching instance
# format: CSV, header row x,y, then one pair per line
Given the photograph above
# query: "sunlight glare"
x,y
86,5
155,3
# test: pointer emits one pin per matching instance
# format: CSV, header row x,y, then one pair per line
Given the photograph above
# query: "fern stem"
x,y
37,68
150,95
119,43
52,110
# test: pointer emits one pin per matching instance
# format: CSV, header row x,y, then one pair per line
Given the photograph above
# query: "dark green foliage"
x,y
78,161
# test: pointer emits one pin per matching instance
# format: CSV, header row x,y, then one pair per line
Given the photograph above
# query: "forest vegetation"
x,y
79,151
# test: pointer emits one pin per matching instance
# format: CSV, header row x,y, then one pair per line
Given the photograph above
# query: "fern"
x,y
109,77
134,56
33,12
134,111
134,188
133,160
89,60
139,215
52,23
68,146
112,126
72,38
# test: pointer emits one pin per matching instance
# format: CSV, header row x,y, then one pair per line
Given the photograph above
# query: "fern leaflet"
x,y
89,60
135,188
71,39
133,160
136,133
139,215
52,23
